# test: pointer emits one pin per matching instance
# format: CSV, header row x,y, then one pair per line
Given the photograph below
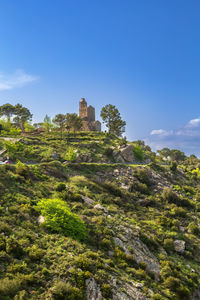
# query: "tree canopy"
x,y
73,122
112,119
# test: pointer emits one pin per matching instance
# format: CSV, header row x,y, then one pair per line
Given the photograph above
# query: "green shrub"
x,y
71,155
35,253
143,176
138,153
13,247
168,244
178,212
140,187
61,187
193,228
9,287
173,166
59,218
106,290
172,283
108,152
64,290
21,169
170,196
149,241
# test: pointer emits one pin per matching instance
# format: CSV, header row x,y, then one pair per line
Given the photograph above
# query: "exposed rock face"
x,y
93,291
179,246
124,155
127,291
126,240
128,154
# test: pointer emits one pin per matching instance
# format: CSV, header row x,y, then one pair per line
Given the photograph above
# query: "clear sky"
x,y
141,55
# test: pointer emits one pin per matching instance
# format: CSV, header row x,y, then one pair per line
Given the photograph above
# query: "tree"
x,y
7,110
74,122
112,119
47,124
23,115
173,155
60,120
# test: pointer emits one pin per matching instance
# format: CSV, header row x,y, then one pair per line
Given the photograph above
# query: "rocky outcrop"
x,y
93,291
127,240
179,246
125,154
127,291
128,154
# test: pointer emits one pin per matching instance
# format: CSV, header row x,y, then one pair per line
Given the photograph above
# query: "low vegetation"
x,y
123,226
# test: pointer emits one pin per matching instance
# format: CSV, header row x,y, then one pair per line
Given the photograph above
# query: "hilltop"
x,y
82,219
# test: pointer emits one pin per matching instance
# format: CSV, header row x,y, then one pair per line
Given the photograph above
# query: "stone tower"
x,y
83,109
91,113
87,114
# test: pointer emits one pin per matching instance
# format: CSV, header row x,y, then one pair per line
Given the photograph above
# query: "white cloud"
x,y
158,132
193,123
15,80
186,138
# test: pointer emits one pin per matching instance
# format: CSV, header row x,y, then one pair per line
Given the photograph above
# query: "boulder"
x,y
100,207
87,200
41,219
128,154
118,157
179,246
93,291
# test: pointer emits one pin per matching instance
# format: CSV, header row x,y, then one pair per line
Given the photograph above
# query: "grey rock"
x,y
128,154
93,291
100,207
179,246
41,219
130,292
87,200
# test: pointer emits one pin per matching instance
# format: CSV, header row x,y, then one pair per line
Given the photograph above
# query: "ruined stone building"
x,y
87,114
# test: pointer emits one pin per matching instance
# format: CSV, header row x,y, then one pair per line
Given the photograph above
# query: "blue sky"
x,y
142,56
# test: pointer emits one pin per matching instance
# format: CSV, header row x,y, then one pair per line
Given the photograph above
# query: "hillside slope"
x,y
98,231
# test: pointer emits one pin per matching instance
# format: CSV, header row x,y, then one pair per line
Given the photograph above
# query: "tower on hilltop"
x,y
87,114
83,109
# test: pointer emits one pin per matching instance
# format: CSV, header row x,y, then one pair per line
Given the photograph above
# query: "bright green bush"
x,y
59,218
138,153
21,169
71,154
